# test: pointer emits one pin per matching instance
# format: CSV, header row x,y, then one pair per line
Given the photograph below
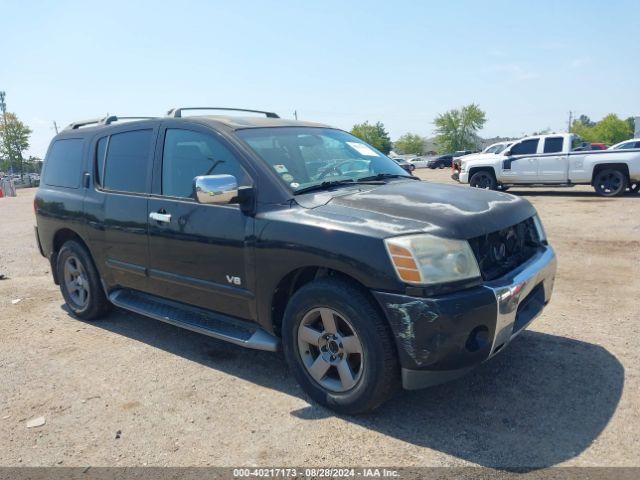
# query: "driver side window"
x,y
188,154
526,147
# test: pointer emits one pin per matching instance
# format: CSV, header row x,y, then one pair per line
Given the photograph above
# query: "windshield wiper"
x,y
383,176
334,183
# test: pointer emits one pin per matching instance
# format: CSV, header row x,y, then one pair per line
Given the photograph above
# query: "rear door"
x,y
116,209
201,254
521,166
553,164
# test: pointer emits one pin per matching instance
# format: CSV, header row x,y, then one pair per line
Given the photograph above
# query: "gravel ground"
x,y
131,391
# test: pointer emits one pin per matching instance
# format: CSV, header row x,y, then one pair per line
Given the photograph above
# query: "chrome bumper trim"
x,y
514,287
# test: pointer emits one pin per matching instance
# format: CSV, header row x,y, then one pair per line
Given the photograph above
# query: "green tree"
x,y
632,124
409,143
375,135
585,120
457,129
611,129
14,139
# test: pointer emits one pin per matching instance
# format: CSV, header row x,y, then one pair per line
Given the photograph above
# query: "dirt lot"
x,y
565,392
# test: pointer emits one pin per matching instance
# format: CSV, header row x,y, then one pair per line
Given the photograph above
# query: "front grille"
x,y
500,252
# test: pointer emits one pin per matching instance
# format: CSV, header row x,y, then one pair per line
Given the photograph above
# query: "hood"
x,y
445,210
492,157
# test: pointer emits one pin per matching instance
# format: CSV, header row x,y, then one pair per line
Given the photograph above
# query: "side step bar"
x,y
240,332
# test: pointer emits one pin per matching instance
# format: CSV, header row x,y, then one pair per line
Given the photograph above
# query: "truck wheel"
x,y
610,183
80,282
339,347
442,165
483,179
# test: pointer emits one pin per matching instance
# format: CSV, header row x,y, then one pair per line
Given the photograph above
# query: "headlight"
x,y
542,235
426,259
463,166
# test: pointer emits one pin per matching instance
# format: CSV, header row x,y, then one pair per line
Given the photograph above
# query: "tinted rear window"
x,y
553,145
127,161
63,164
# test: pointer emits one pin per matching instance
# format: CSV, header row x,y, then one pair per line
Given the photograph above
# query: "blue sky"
x,y
401,62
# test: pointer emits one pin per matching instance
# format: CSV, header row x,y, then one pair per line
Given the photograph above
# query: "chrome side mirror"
x,y
216,189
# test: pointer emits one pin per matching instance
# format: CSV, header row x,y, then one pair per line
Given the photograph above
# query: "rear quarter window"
x,y
63,164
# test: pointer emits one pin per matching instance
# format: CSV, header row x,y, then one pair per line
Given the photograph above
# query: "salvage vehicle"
x,y
554,160
271,234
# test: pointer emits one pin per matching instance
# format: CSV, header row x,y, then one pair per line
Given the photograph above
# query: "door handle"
x,y
160,217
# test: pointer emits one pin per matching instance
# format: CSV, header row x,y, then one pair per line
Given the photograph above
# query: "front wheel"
x,y
610,183
339,347
483,179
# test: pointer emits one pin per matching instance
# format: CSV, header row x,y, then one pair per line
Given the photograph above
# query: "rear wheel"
x,y
610,183
80,282
483,179
339,347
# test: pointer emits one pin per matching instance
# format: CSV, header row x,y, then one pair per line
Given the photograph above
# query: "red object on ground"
x,y
1,193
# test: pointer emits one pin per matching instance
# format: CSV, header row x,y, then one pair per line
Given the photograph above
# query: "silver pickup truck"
x,y
557,160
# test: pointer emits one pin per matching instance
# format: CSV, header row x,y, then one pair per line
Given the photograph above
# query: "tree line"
x,y
457,129
14,141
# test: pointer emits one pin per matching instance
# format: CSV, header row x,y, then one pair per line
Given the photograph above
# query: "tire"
x,y
610,183
373,375
441,166
483,179
502,188
78,274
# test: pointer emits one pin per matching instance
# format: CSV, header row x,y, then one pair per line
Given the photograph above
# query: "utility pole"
x,y
570,120
295,114
55,127
3,107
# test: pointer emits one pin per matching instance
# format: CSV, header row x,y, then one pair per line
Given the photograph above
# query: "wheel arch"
x,y
485,168
622,167
62,236
290,283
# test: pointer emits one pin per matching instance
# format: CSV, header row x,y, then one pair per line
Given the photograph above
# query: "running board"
x,y
218,326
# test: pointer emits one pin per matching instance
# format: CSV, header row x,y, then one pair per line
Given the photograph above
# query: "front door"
x,y
199,254
521,165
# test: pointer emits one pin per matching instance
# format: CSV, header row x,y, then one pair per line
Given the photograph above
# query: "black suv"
x,y
272,233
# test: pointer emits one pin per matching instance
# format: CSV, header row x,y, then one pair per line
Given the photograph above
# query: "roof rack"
x,y
108,120
177,112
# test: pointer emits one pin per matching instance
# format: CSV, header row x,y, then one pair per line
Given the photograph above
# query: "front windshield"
x,y
307,156
501,148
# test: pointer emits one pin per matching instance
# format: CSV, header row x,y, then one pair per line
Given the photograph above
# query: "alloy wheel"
x,y
330,349
76,281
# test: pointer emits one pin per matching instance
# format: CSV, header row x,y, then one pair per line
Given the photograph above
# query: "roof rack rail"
x,y
177,112
113,118
83,123
108,120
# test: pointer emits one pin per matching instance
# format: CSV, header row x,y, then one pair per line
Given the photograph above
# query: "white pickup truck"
x,y
556,160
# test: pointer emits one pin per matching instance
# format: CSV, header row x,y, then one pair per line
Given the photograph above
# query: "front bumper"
x,y
444,337
462,177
